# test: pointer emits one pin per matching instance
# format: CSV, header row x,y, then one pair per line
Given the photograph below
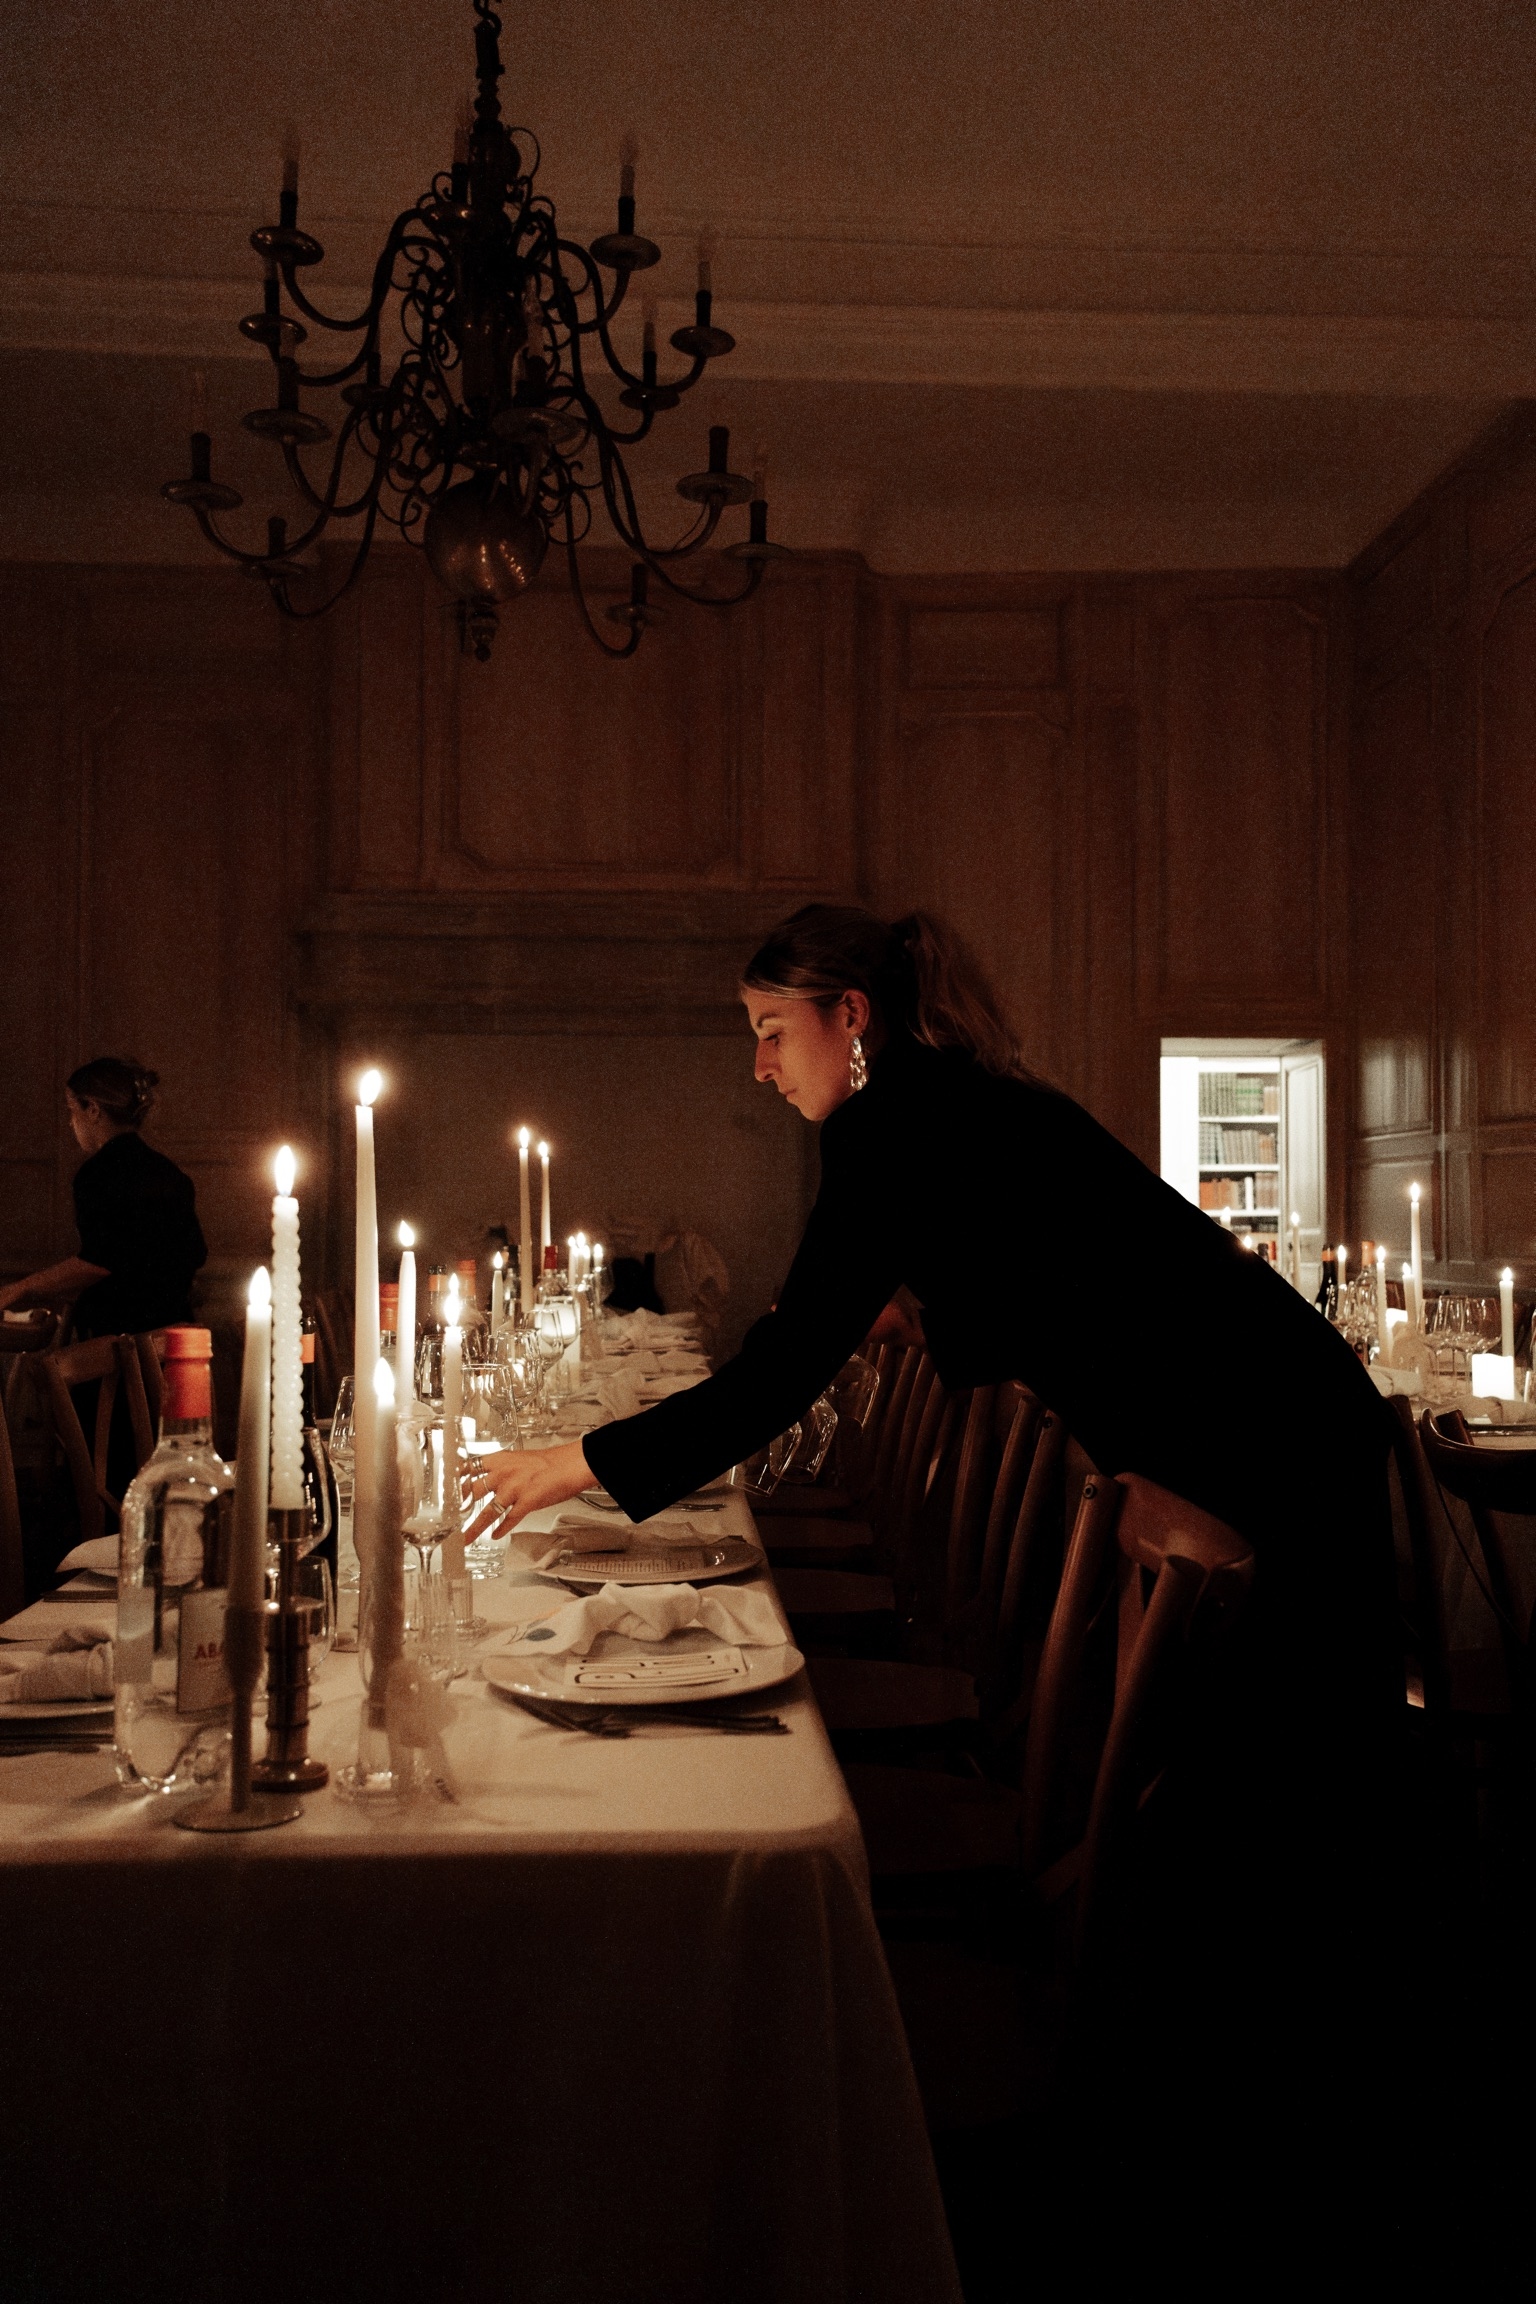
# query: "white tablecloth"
x,y
618,2028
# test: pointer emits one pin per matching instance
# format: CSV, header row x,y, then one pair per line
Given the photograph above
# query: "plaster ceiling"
x,y
1084,283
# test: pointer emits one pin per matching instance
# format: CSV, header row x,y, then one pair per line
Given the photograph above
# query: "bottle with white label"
x,y
172,1715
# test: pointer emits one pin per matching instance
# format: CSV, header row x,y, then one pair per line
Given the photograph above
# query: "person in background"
x,y
141,1245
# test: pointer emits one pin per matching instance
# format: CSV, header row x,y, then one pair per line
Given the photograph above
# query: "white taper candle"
x,y
287,1344
365,1358
248,1542
405,1321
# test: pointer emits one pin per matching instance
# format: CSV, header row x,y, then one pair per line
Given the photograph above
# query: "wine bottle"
x,y
171,1719
1327,1298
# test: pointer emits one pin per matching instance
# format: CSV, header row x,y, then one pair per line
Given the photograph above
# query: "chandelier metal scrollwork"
x,y
486,442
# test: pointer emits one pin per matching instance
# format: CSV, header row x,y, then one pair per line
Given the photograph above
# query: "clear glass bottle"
x,y
172,1712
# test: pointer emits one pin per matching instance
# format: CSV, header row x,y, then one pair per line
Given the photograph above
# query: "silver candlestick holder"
x,y
244,1810
287,1766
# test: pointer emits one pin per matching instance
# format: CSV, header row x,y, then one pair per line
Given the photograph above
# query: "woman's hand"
x,y
525,1480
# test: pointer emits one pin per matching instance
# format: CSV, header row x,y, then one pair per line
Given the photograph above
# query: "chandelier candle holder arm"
x,y
487,438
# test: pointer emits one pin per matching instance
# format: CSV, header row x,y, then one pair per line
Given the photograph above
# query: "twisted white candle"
x,y
287,1345
248,1542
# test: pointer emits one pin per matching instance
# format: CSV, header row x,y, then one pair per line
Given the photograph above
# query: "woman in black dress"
x,y
1165,1347
140,1242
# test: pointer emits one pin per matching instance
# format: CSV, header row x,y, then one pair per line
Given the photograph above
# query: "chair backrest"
x,y
13,1579
1493,1483
902,1373
20,1340
111,1362
1115,1662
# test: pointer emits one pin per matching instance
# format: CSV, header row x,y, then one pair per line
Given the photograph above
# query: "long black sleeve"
x,y
846,1268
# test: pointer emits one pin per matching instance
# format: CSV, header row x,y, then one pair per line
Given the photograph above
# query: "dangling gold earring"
x,y
858,1070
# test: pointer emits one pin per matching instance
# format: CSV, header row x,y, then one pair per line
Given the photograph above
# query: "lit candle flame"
x,y
259,1296
452,1306
384,1384
1381,1258
284,1169
543,1151
1413,1194
406,1236
1507,1275
496,1261
369,1085
523,1139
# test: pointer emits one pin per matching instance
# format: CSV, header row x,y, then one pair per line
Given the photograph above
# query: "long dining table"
x,y
615,2026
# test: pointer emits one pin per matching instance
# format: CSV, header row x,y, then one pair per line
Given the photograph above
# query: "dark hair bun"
x,y
122,1089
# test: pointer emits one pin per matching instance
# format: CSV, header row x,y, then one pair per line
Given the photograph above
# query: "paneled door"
x,y
1304,1157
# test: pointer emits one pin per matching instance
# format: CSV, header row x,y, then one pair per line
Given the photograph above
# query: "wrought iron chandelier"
x,y
486,442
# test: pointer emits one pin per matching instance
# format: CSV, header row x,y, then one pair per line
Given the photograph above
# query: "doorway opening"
x,y
1244,1136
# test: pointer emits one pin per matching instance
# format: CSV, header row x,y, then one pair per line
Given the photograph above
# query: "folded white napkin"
x,y
70,1668
616,1389
98,1557
653,1613
682,1363
663,1387
1390,1382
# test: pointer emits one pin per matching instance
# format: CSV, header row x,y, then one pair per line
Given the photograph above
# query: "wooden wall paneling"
x,y
1234,811
801,828
1121,1078
1505,823
379,645
566,771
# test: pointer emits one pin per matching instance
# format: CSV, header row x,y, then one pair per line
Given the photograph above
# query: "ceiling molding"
x,y
1399,357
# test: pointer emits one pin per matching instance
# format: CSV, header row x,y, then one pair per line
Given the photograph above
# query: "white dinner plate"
x,y
556,1677
56,1708
702,1563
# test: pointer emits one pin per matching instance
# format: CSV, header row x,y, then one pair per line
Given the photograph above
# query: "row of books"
x,y
1237,1095
1248,1193
1219,1141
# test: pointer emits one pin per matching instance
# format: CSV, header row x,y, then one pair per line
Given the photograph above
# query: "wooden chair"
x,y
13,1581
896,1708
849,1596
1496,1485
40,1333
1148,1581
113,1363
807,1540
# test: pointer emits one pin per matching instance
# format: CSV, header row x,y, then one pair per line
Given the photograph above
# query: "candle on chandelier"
x,y
706,262
1416,1259
287,1490
405,1320
288,205
524,1224
248,1543
545,1235
629,153
1383,1324
365,1315
1507,1313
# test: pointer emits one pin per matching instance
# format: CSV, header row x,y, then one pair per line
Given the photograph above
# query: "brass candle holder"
x,y
244,1810
287,1766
